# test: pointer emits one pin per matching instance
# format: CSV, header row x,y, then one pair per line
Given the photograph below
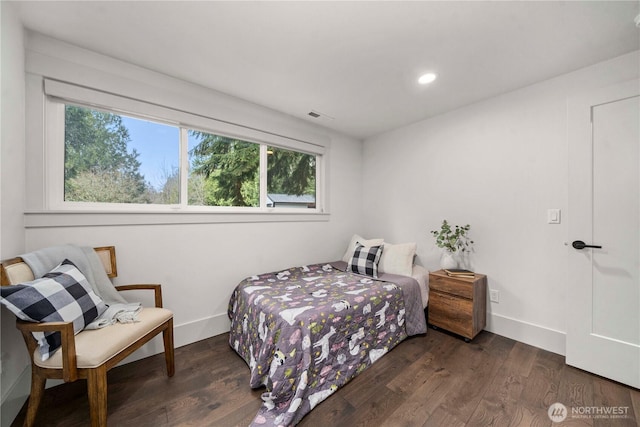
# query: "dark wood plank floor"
x,y
430,380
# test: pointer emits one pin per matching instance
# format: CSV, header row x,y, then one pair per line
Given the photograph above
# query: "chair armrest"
x,y
155,287
68,343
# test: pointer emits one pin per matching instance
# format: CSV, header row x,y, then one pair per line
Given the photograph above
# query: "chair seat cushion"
x,y
95,347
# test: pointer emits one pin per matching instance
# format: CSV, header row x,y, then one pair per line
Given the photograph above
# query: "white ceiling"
x,y
356,62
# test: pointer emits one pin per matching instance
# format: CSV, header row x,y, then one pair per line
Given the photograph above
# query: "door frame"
x,y
626,367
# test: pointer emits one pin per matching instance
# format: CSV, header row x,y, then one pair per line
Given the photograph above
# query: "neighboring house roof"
x,y
290,198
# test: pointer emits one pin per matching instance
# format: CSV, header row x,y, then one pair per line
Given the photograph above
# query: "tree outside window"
x,y
111,158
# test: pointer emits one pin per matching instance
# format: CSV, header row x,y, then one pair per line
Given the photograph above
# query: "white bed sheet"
x,y
421,275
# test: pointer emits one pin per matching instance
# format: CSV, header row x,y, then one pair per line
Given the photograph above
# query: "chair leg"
x,y
97,387
37,390
167,336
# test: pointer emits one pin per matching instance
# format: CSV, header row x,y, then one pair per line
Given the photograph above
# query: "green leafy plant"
x,y
453,238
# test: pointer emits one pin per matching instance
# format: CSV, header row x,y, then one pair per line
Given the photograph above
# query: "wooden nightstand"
x,y
458,305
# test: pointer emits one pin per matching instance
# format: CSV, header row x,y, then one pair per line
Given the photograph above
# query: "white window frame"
x,y
58,94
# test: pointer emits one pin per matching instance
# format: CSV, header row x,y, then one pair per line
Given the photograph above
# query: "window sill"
x,y
51,219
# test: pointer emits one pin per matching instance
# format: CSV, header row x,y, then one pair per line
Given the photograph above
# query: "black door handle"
x,y
579,244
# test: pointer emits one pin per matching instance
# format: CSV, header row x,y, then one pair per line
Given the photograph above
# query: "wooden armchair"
x,y
91,353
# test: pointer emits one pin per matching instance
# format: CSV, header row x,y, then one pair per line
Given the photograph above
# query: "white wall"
x,y
198,264
497,165
13,356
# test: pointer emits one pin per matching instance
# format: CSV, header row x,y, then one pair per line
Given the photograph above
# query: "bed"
x,y
306,331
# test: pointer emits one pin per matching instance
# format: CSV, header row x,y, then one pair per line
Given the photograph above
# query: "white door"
x,y
603,324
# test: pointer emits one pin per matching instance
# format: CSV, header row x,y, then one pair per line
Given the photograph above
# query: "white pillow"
x,y
398,259
365,242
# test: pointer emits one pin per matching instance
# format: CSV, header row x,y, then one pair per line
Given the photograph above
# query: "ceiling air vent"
x,y
320,116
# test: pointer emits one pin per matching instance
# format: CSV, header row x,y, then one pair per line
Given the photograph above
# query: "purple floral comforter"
x,y
306,331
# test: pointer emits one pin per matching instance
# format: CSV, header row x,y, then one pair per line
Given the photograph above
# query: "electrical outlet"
x,y
494,296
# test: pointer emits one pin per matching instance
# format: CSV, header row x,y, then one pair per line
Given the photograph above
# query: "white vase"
x,y
448,260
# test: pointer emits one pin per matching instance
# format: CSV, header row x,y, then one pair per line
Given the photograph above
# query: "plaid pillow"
x,y
365,260
62,295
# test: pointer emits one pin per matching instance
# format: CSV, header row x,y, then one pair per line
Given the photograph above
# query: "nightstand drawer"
x,y
460,287
457,304
451,313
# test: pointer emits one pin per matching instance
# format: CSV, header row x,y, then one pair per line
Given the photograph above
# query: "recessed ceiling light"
x,y
427,78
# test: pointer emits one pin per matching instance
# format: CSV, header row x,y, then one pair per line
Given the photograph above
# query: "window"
x,y
291,179
112,158
115,160
223,171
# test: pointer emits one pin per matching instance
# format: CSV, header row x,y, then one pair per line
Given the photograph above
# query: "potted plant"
x,y
454,240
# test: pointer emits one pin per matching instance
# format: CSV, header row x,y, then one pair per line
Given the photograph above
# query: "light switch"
x,y
553,216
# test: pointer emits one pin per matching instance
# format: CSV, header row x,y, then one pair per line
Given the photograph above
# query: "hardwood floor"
x,y
430,380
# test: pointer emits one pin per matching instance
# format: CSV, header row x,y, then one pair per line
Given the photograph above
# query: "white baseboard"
x,y
528,333
184,334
